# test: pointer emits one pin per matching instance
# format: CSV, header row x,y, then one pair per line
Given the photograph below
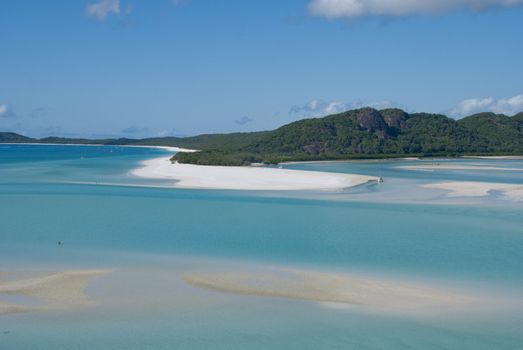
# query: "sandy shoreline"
x,y
351,160
167,148
245,178
478,189
57,291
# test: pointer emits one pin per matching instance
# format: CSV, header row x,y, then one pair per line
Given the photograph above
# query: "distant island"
x,y
364,133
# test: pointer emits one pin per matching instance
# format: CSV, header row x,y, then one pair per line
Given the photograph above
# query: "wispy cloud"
x,y
320,108
6,111
169,132
397,8
244,120
508,106
101,9
3,109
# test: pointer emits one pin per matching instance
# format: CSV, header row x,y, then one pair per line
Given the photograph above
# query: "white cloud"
x,y
508,106
321,108
102,8
397,8
6,111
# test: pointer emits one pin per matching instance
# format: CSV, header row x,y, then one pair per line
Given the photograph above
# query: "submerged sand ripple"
x,y
453,166
478,189
327,287
57,291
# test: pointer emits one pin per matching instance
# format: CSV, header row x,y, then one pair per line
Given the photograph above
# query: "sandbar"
x,y
443,166
326,287
246,178
478,189
57,291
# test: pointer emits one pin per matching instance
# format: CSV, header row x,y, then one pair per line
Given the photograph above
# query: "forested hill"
x,y
355,134
369,133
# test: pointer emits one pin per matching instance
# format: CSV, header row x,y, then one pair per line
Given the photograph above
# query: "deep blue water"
x,y
54,193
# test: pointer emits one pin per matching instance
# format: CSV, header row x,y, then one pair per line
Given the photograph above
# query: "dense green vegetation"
x,y
8,137
355,134
369,133
208,141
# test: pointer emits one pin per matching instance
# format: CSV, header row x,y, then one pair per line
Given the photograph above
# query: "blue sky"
x,y
164,67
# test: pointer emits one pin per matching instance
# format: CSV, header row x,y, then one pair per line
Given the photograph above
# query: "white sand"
x,y
167,148
246,178
64,290
328,288
478,189
444,166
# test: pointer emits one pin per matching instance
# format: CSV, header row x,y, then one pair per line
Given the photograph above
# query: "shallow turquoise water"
x,y
55,193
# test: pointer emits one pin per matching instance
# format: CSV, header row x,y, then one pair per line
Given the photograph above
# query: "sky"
x,y
147,68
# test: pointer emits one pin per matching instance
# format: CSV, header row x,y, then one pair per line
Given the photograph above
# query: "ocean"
x,y
151,235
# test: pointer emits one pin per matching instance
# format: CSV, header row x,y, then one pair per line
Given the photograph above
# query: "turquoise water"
x,y
85,197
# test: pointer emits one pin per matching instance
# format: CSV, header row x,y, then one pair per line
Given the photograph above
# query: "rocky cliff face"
x,y
371,120
395,118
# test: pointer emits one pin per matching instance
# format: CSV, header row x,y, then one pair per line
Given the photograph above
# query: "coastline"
x,y
167,148
402,159
352,160
246,178
188,150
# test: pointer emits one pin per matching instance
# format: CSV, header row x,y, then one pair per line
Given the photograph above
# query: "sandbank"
x,y
245,178
478,189
323,287
444,166
57,291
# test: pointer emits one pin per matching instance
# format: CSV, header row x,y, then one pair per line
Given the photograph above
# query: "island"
x,y
364,133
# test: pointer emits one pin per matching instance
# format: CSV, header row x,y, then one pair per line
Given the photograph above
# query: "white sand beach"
x,y
167,148
246,178
452,166
323,287
478,189
57,291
